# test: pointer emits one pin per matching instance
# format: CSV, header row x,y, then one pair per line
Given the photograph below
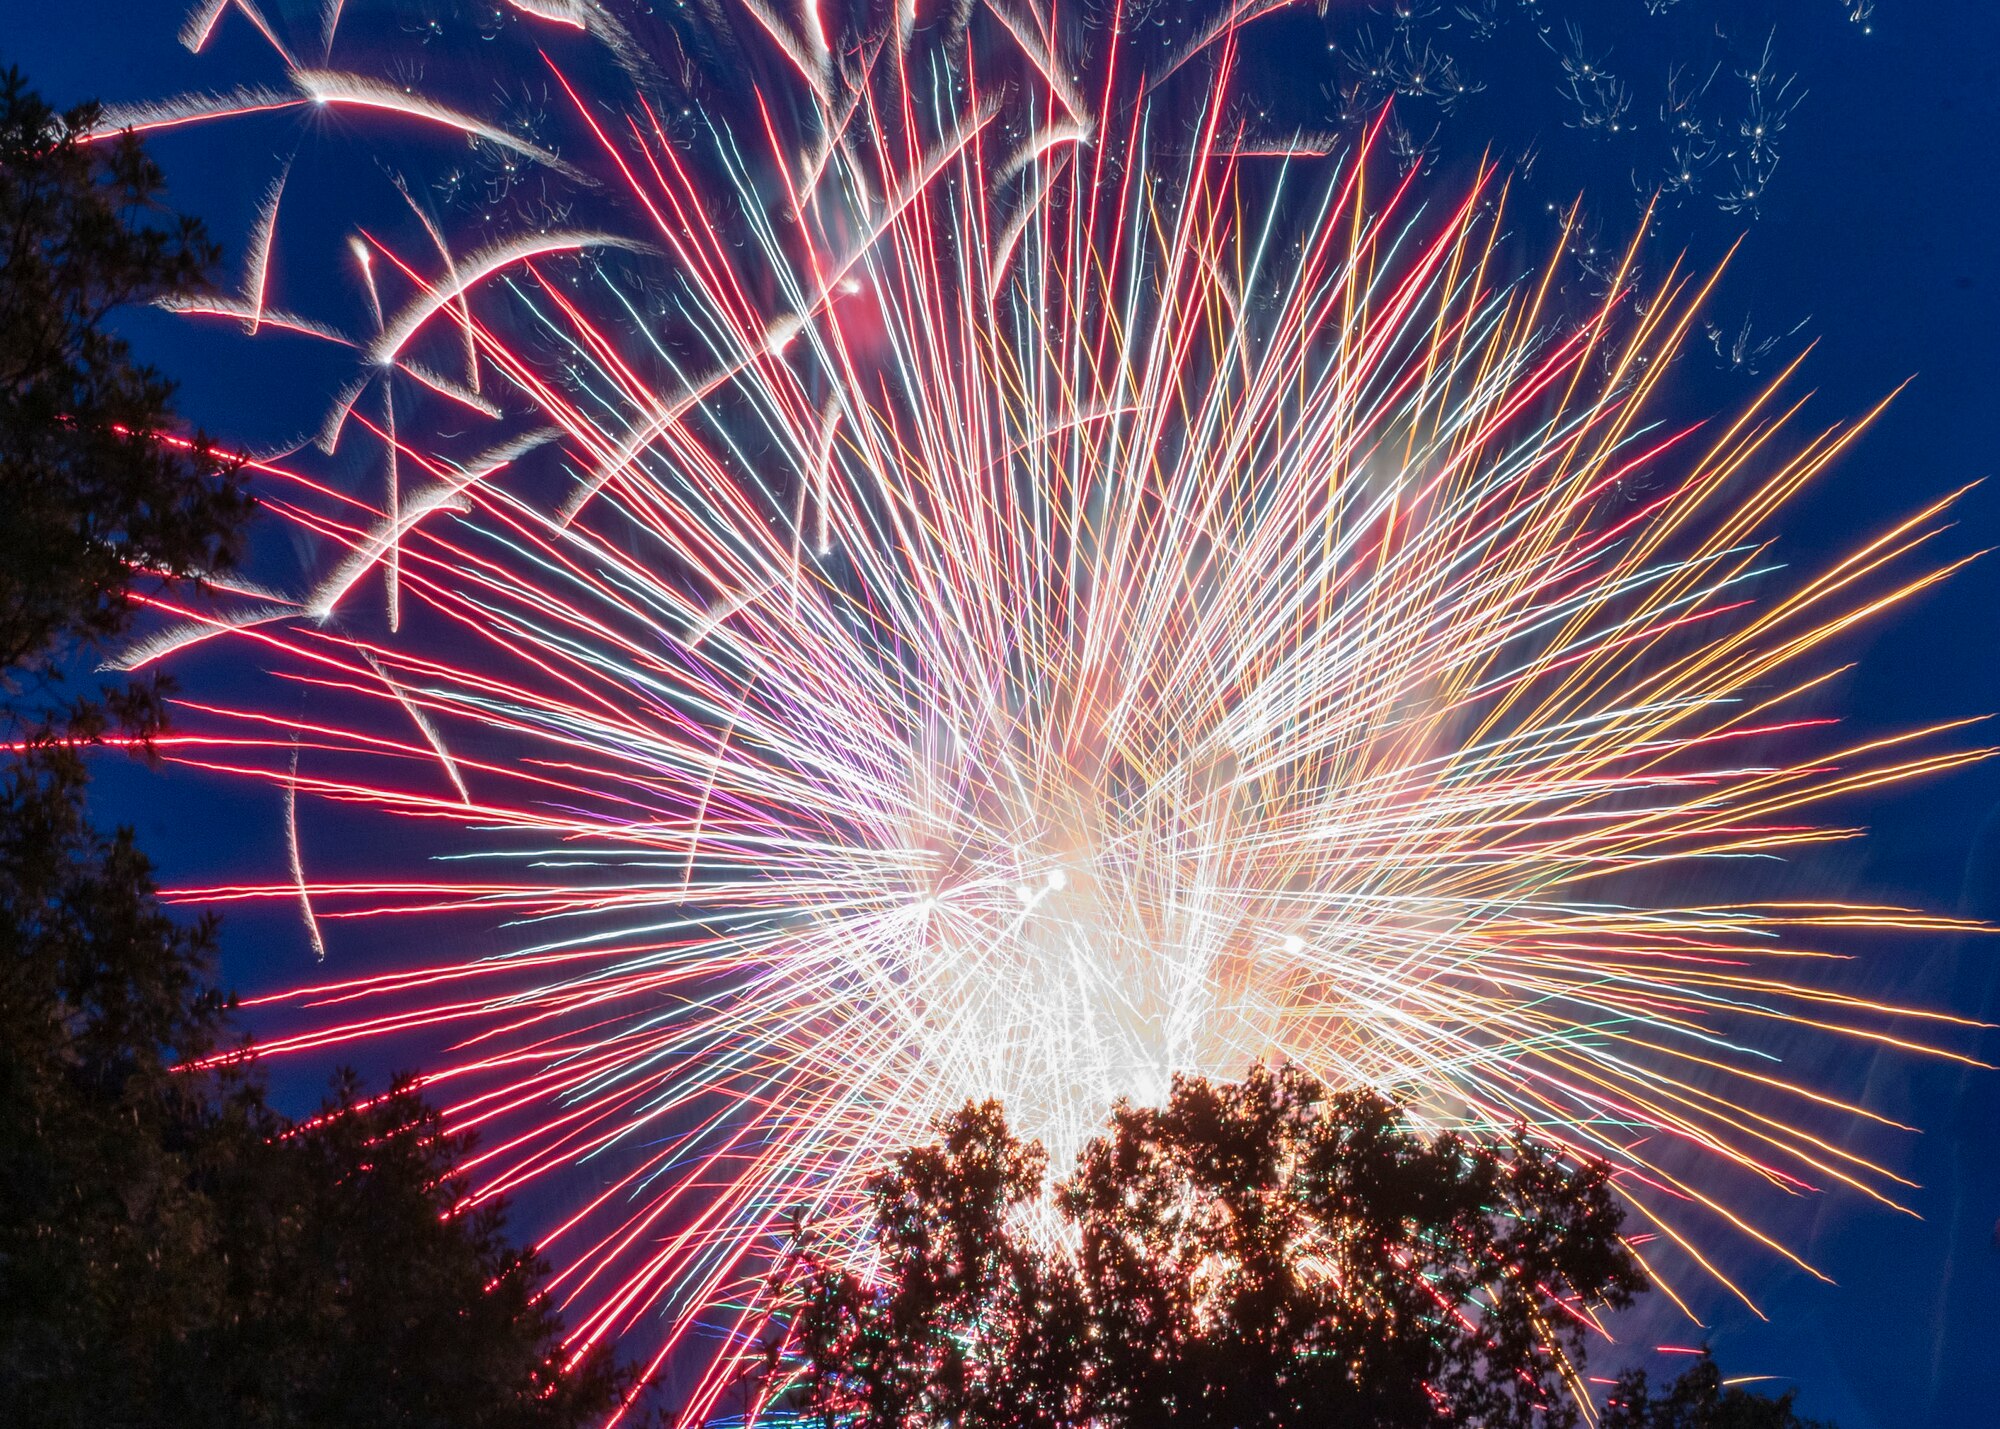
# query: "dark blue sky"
x,y
1875,232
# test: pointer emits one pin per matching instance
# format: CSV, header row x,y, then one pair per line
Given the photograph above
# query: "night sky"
x,y
1873,237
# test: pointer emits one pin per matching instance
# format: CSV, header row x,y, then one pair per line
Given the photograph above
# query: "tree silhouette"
x,y
1698,1399
173,1251
1266,1253
101,498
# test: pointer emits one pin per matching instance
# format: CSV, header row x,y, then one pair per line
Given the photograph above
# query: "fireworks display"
x,y
985,572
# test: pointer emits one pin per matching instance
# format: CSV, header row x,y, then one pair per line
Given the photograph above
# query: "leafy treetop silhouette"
x,y
1698,1399
1267,1253
173,1250
100,496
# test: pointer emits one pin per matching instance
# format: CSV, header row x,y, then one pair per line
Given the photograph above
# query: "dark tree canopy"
x,y
173,1251
1698,1399
96,500
1265,1253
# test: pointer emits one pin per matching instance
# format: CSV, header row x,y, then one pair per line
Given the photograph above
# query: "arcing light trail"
x,y
1058,592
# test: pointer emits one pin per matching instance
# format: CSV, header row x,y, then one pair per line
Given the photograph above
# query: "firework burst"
x,y
988,575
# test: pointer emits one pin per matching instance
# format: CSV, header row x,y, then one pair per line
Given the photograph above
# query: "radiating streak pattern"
x,y
1073,591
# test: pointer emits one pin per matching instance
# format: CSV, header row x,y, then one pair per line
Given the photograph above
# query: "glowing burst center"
x,y
1083,926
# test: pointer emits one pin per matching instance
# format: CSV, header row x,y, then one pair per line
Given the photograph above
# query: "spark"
x,y
293,854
